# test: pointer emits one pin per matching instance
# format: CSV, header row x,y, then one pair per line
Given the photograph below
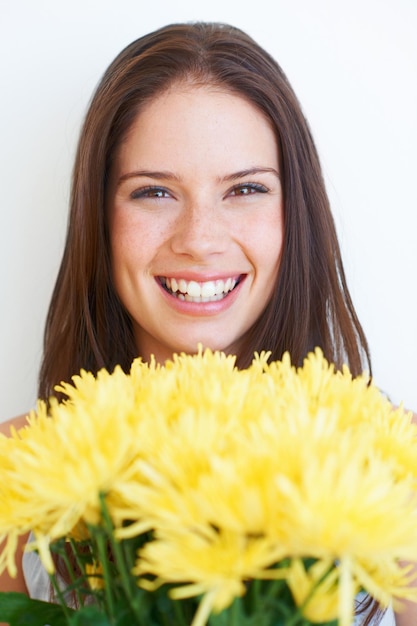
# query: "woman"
x,y
198,214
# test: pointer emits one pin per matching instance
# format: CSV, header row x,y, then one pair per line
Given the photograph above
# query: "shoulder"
x,y
413,417
16,422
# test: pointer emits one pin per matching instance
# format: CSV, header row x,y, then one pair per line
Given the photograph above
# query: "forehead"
x,y
188,86
186,122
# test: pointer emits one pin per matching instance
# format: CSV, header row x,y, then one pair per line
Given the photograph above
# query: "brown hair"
x,y
87,326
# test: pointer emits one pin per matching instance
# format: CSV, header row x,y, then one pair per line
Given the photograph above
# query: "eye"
x,y
150,192
248,189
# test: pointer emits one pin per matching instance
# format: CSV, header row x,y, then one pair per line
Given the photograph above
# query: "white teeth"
x,y
182,285
192,291
208,290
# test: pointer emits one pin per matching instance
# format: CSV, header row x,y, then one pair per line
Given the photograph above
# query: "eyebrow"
x,y
166,175
147,174
249,172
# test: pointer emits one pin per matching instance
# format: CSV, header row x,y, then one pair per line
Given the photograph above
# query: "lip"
x,y
201,308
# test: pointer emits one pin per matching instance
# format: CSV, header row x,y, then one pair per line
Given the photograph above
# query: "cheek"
x,y
264,244
135,241
126,234
126,249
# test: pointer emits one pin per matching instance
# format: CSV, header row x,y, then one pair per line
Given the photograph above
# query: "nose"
x,y
200,231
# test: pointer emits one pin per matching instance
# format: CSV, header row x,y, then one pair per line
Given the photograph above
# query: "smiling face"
x,y
196,221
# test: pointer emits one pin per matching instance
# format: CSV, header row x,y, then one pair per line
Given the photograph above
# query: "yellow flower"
x,y
315,589
94,573
232,470
60,464
215,562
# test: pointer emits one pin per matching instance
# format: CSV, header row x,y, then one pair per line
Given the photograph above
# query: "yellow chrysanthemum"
x,y
216,562
233,470
305,468
59,467
315,590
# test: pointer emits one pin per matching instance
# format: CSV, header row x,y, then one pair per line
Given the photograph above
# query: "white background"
x,y
353,65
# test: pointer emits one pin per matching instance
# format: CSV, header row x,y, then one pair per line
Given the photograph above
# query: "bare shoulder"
x,y
413,417
17,422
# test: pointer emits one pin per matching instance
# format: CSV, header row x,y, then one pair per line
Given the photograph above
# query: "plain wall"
x,y
353,65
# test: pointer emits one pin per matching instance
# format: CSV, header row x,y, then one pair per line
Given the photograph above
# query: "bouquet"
x,y
196,494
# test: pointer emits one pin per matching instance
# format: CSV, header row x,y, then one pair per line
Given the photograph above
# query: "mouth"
x,y
193,291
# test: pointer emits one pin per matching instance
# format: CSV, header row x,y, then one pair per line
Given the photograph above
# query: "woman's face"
x,y
196,221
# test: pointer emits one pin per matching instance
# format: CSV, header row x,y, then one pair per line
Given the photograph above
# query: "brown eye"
x,y
248,189
150,192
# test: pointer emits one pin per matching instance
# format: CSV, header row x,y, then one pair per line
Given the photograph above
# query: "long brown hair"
x,y
87,326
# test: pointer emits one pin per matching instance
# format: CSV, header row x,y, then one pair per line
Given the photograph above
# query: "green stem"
x,y
255,595
235,612
124,571
60,596
274,588
179,613
294,620
101,542
70,570
77,558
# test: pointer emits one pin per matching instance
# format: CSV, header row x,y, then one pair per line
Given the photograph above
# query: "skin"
x,y
199,174
407,617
